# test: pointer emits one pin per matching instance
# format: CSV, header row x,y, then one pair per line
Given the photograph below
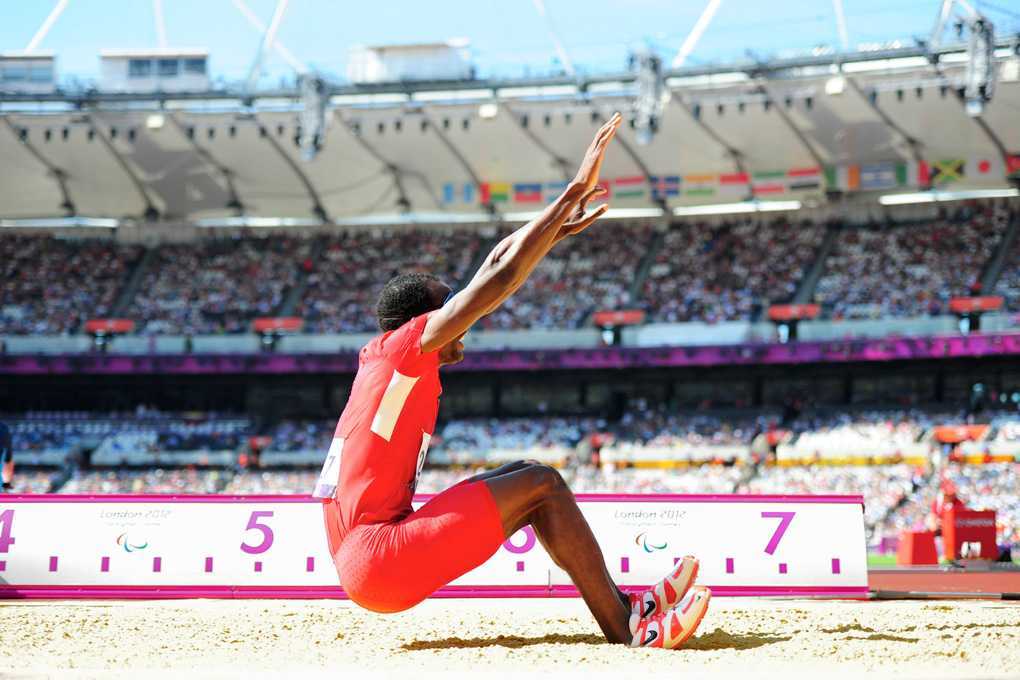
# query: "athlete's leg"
x,y
496,472
537,495
520,465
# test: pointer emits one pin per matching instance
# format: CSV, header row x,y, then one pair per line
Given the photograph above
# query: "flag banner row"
x,y
848,177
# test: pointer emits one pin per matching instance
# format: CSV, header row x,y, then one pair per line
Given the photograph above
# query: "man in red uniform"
x,y
390,557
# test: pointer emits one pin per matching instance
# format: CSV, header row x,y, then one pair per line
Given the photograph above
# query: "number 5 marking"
x,y
267,533
784,523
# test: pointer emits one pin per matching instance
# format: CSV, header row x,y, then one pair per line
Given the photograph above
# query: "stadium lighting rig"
x,y
312,128
652,95
979,84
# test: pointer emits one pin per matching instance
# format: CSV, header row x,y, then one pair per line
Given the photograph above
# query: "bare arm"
x,y
513,259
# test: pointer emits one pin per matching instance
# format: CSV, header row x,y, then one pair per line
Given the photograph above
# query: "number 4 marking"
x,y
6,522
784,523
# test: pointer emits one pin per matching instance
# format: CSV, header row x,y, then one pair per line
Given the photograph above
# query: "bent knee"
x,y
548,479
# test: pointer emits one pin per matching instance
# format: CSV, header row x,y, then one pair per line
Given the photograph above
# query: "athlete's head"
x,y
406,296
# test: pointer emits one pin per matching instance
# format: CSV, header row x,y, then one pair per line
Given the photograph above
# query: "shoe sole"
x,y
697,622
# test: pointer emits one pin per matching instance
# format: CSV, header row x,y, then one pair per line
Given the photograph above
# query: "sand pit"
x,y
527,638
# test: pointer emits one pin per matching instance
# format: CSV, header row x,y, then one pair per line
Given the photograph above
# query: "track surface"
x,y
486,638
936,579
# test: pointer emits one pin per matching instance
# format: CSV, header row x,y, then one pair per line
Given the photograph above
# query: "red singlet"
x,y
389,557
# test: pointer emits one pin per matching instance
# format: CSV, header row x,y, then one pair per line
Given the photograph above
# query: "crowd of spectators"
x,y
498,440
217,285
910,270
345,279
273,482
579,276
883,486
32,481
52,286
729,271
1008,284
301,435
701,272
157,480
840,435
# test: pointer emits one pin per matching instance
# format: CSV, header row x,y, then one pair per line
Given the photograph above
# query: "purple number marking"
x,y
784,523
529,542
6,522
267,533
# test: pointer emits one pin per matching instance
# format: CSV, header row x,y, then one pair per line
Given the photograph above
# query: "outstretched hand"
x,y
588,177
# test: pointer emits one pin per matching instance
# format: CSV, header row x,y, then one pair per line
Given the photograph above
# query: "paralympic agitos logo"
x,y
649,545
130,545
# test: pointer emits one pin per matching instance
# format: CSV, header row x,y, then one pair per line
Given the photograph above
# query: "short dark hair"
x,y
404,297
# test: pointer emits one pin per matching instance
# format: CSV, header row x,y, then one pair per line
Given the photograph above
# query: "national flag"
x,y
875,176
768,182
665,185
733,178
734,183
552,190
528,192
451,194
495,192
912,174
1013,163
700,185
983,168
800,179
947,171
632,186
843,177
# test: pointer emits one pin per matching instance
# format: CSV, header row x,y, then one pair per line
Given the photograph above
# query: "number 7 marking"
x,y
784,523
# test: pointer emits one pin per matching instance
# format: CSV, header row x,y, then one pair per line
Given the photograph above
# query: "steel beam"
x,y
735,154
151,212
317,210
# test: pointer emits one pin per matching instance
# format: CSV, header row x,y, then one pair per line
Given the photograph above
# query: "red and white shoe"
x,y
665,594
673,627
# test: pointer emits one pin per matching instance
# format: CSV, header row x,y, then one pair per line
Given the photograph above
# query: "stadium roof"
x,y
784,129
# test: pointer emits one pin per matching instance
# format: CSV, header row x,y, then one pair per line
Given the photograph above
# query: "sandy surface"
x,y
486,638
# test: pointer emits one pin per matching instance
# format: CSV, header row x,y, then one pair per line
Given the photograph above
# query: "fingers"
x,y
596,192
582,224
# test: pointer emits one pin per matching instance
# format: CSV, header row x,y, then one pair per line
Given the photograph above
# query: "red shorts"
x,y
393,566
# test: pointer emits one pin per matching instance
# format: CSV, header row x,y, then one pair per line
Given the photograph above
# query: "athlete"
x,y
390,557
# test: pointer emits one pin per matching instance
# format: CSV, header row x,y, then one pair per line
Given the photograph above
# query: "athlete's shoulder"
x,y
400,346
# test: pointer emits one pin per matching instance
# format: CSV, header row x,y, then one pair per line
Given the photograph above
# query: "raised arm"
x,y
515,257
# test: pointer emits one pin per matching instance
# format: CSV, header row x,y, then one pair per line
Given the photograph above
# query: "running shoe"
x,y
665,594
673,627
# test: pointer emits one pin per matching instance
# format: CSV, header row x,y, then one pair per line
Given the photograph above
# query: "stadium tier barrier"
x,y
275,546
885,349
690,334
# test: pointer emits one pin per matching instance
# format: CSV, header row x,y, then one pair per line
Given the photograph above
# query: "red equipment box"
x,y
961,526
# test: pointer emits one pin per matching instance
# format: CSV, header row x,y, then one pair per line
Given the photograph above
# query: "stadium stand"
x,y
1009,279
345,280
217,285
911,269
158,480
579,276
51,286
729,271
